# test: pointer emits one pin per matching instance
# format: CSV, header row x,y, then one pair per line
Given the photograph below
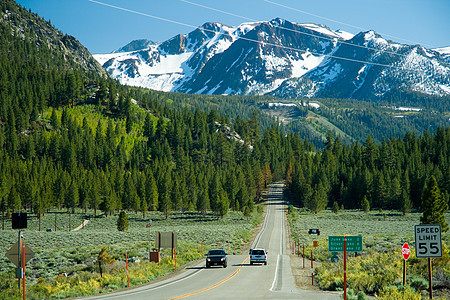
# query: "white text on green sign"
x,y
353,243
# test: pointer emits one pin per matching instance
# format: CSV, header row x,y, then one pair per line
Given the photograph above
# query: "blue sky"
x,y
103,29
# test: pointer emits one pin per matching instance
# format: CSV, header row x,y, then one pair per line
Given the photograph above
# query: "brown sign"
x,y
166,240
14,254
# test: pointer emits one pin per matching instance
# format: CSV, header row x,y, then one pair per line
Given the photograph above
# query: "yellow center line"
x,y
212,286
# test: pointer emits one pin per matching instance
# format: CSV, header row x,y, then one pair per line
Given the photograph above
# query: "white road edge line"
x,y
278,258
138,291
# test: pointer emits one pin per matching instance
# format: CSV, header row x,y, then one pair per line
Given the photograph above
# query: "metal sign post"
x,y
149,240
345,244
405,252
345,268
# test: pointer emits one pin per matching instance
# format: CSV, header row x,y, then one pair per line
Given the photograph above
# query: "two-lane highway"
x,y
240,280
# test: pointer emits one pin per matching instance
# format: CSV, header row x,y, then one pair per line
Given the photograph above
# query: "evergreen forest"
x,y
72,138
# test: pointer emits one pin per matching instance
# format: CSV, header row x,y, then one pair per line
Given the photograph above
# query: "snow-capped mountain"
x,y
280,58
445,52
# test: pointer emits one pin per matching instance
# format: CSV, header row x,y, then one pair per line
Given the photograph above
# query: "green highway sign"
x,y
336,243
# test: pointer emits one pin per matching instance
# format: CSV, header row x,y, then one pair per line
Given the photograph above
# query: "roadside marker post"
x,y
312,268
126,263
23,261
202,248
175,258
303,256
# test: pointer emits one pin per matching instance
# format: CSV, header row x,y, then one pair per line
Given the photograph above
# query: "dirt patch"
x,y
302,275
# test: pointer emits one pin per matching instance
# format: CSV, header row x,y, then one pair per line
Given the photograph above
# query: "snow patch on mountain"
x,y
444,52
445,88
307,62
103,58
344,35
322,29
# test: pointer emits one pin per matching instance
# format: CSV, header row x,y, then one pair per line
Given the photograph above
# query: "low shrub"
x,y
352,296
404,293
419,284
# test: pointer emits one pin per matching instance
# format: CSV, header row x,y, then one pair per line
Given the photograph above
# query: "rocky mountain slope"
x,y
32,27
283,59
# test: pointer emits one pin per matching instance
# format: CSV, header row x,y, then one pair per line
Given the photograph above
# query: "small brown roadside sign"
x,y
14,254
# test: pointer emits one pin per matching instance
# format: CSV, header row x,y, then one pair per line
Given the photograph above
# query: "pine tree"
x,y
54,120
247,212
148,127
222,205
103,257
132,200
434,205
203,201
11,135
129,124
164,188
406,203
122,222
14,202
152,192
72,196
319,199
365,205
335,207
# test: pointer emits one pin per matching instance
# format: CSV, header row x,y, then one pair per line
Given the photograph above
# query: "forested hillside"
x,y
390,175
72,138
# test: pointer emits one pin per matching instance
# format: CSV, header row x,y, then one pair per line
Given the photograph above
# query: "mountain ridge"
x,y
24,23
283,59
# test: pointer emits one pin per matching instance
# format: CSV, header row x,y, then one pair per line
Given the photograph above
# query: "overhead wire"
x,y
295,31
339,22
142,14
248,39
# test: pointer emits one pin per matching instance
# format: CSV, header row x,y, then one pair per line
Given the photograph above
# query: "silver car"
x,y
258,255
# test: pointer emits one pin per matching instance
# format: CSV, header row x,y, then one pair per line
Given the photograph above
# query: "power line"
x,y
248,39
142,14
293,30
339,22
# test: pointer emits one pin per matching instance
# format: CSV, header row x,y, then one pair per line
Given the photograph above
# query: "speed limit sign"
x,y
428,240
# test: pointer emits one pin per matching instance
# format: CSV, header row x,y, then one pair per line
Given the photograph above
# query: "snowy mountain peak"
x,y
281,58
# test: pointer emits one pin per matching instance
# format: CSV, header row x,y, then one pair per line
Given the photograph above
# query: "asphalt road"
x,y
239,280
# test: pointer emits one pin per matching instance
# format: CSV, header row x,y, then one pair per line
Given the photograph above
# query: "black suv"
x,y
216,257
